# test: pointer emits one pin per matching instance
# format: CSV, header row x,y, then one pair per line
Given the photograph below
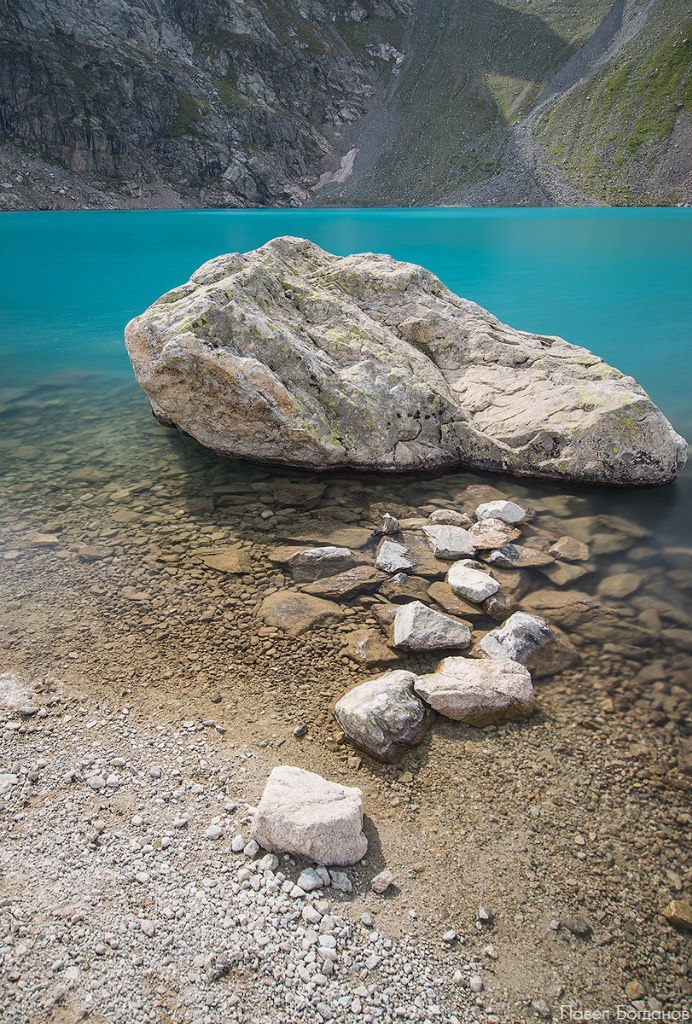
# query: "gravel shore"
x,y
125,901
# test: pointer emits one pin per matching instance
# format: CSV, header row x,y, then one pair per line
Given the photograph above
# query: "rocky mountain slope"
x,y
181,102
388,102
537,102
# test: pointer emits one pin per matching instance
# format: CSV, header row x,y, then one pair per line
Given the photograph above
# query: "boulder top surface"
x,y
292,356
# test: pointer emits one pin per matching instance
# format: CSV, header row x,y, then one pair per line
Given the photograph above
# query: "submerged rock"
x,y
297,613
478,692
304,814
309,564
292,356
362,579
383,716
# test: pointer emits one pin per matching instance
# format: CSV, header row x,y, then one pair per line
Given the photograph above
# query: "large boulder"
x,y
383,716
292,356
304,814
478,692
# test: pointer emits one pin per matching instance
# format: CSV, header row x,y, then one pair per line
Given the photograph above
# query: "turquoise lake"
x,y
615,281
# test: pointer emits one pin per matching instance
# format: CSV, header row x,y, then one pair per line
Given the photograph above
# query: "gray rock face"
x,y
419,628
290,355
506,511
478,692
383,716
392,557
304,814
216,102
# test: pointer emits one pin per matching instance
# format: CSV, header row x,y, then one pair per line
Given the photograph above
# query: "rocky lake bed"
x,y
167,644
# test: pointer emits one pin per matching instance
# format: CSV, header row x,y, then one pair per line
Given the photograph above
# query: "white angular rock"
x,y
505,511
450,542
291,355
419,628
529,640
388,527
309,880
478,692
383,716
517,638
304,814
471,583
392,557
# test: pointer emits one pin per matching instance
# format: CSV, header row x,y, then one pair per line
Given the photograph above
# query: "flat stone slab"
x,y
230,560
518,556
298,613
308,564
289,355
303,814
492,533
450,542
478,692
362,579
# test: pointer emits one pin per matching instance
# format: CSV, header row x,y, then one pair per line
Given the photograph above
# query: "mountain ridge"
x,y
198,103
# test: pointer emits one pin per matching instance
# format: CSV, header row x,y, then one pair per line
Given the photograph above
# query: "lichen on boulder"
x,y
289,355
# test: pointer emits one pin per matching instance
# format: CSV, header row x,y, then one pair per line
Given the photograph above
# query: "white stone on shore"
x,y
471,583
304,814
529,640
478,692
309,880
506,511
419,628
381,882
393,557
517,638
450,542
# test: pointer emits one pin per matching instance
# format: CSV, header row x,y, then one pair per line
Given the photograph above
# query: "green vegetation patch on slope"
x,y
608,133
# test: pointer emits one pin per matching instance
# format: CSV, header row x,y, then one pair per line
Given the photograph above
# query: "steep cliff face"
x,y
182,102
